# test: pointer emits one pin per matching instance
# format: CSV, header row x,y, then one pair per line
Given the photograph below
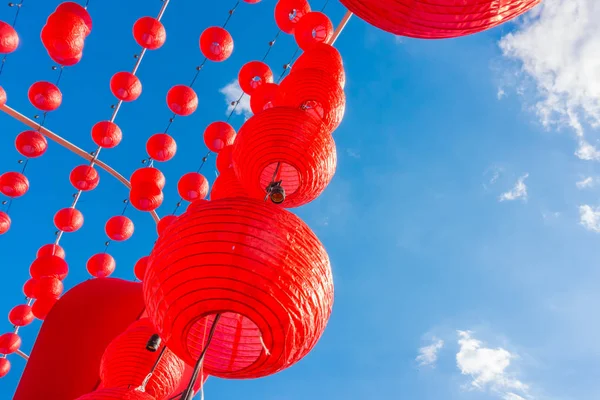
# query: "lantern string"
x,y
18,5
142,387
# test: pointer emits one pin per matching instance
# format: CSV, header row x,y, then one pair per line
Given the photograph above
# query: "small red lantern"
x,y
45,96
148,175
48,287
125,86
227,185
4,367
192,186
149,33
216,44
313,28
289,12
42,307
263,97
29,288
146,197
51,250
9,40
224,159
68,220
218,135
119,228
48,266
101,265
182,100
2,96
106,134
165,222
21,315
63,36
324,57
84,177
4,222
81,12
9,343
31,144
254,74
161,147
140,268
13,184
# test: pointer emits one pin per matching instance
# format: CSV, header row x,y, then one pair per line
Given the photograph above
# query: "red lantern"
x,y
289,12
252,1
74,8
9,343
4,367
29,288
437,19
227,185
31,144
106,134
149,33
140,268
21,315
119,228
192,186
216,44
146,197
125,86
63,36
161,147
48,266
13,184
263,97
45,96
48,287
324,57
84,177
42,307
68,220
117,394
254,74
9,40
51,250
126,362
4,222
315,92
224,159
148,175
218,135
182,100
313,28
288,145
165,222
101,265
275,309
2,96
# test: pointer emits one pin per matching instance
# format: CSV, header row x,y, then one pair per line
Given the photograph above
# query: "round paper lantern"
x,y
148,175
42,307
29,288
4,367
254,74
68,220
227,185
2,96
48,266
106,134
192,186
313,28
324,57
21,315
48,287
101,265
224,159
165,222
51,250
126,362
119,228
182,100
216,44
13,184
437,19
283,302
140,268
31,144
315,92
4,222
146,197
117,394
263,97
9,343
125,86
45,96
84,177
288,145
161,147
9,40
289,12
252,1
218,135
149,33
74,8
63,36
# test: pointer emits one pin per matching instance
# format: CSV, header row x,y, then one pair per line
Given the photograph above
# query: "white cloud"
x,y
488,367
558,48
353,153
232,92
428,354
501,93
586,183
589,217
519,191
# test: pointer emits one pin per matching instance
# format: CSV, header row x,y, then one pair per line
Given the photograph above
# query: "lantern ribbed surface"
x,y
314,27
31,144
285,144
258,265
227,185
263,97
437,19
252,75
13,184
289,12
126,362
117,394
324,57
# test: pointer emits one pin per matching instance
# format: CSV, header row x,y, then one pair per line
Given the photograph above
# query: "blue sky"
x,y
461,224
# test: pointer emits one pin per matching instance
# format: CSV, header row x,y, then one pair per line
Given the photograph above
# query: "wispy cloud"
x,y
428,354
501,93
232,93
589,217
519,191
586,183
353,153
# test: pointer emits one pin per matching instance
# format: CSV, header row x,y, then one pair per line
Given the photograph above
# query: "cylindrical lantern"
x,y
254,74
161,147
284,145
125,86
289,12
216,44
45,96
324,57
119,228
263,97
9,40
218,135
48,266
149,33
84,177
227,185
101,265
68,220
273,312
31,144
106,134
13,184
182,100
313,28
5,222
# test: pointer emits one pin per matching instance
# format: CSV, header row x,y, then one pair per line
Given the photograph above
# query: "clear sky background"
x,y
462,224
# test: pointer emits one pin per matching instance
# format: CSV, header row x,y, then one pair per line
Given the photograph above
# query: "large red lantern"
x,y
182,100
117,394
437,19
313,28
126,363
272,313
161,147
68,219
4,222
31,144
254,74
263,97
216,44
227,185
45,96
285,145
125,86
101,265
324,57
119,228
9,40
106,134
84,177
289,12
192,186
149,33
224,159
218,135
48,266
13,184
